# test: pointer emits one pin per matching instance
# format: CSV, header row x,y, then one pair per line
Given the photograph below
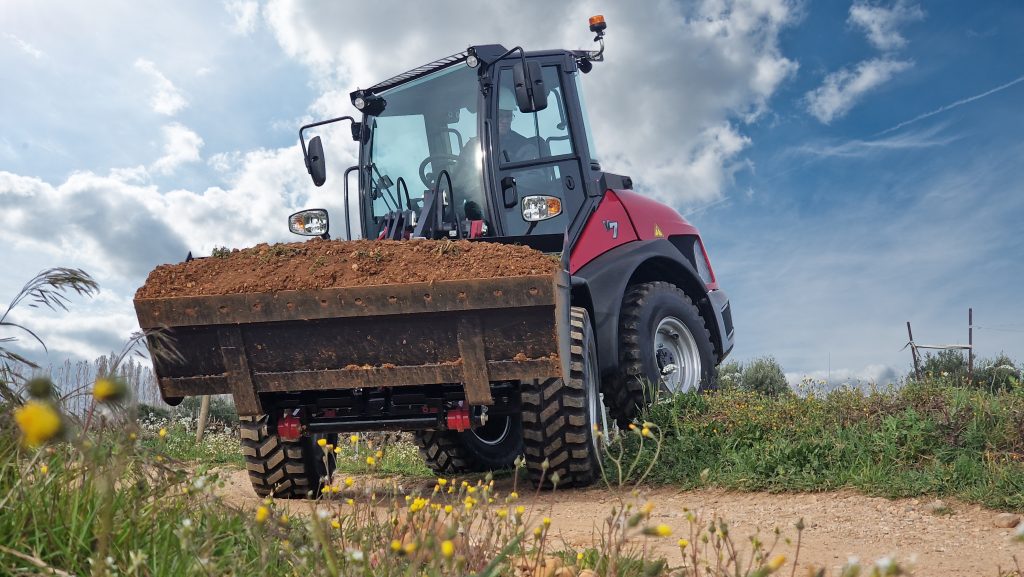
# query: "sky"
x,y
851,165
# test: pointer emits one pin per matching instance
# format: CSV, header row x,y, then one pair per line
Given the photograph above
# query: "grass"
x,y
926,438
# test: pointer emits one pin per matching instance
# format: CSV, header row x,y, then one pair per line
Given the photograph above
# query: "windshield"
x,y
428,126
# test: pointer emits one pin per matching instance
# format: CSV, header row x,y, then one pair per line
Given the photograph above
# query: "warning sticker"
x,y
657,231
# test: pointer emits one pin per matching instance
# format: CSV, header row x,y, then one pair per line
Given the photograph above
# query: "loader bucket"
x,y
474,332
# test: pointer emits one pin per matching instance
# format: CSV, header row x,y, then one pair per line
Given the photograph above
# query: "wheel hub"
x,y
675,351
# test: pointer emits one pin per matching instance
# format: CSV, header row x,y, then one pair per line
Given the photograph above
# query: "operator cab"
x,y
488,143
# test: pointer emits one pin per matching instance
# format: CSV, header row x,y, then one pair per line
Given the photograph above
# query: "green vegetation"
x,y
925,438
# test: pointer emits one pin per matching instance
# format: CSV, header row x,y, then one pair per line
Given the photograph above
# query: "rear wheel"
x,y
491,447
663,346
561,418
279,468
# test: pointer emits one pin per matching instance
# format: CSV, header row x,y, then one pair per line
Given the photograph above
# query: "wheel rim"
x,y
595,399
678,359
495,431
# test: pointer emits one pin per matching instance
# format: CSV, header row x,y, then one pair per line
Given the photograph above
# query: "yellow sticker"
x,y
657,231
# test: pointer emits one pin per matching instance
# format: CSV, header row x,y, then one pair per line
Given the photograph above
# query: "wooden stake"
x,y
970,343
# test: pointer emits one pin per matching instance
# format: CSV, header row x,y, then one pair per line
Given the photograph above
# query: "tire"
x,y
284,469
651,314
490,448
559,417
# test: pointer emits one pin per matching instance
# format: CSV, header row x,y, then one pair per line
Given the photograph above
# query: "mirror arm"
x,y
302,139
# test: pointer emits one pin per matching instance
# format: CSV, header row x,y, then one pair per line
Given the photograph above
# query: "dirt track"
x,y
839,525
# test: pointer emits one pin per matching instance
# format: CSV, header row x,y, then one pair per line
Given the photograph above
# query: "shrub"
x,y
764,375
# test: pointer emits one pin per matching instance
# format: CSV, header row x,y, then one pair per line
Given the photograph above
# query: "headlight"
x,y
311,222
537,208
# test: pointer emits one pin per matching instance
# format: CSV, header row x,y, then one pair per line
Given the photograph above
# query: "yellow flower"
x,y
321,442
351,501
513,496
335,524
418,504
660,531
380,454
501,513
442,481
683,543
132,436
546,521
325,489
349,481
471,490
162,433
409,548
520,510
447,508
537,532
396,545
645,432
353,439
337,450
447,548
109,390
776,562
261,514
647,508
38,421
579,557
371,461
283,519
44,469
335,488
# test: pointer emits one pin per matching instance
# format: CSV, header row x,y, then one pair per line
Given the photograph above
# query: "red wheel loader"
x,y
488,145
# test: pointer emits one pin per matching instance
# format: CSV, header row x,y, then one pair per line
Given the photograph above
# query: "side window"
x,y
536,135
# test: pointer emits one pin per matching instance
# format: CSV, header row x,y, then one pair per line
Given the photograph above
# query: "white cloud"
x,y
245,14
877,374
166,99
843,89
881,24
667,106
860,148
24,46
181,145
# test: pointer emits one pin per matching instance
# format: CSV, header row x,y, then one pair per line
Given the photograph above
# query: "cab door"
x,y
535,155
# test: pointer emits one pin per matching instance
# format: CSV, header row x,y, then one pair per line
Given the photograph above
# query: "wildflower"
x,y
777,561
409,548
683,543
349,481
325,489
632,426
335,489
645,432
162,433
520,510
371,461
447,548
579,557
513,496
501,513
537,533
322,514
447,508
380,454
396,545
350,501
471,490
353,439
283,519
109,390
647,508
337,450
44,469
418,504
321,442
261,514
38,421
547,522
335,524
442,481
132,436
659,531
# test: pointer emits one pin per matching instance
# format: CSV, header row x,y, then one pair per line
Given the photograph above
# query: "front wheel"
x,y
664,346
561,419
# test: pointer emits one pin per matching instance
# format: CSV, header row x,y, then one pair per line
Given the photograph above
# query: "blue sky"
x,y
852,165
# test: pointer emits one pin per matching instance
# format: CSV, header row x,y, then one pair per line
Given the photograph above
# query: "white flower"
x,y
883,564
323,514
355,555
186,523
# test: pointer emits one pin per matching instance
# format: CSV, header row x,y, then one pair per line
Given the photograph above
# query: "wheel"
x,y
492,447
663,344
433,161
285,469
561,418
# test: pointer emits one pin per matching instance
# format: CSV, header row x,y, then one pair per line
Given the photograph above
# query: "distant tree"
x,y
729,375
764,375
991,374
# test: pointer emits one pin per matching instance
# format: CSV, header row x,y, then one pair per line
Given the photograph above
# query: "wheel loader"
x,y
489,145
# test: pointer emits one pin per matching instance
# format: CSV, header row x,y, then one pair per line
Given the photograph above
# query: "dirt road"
x,y
962,541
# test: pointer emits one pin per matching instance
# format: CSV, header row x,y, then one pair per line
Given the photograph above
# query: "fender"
x,y
607,276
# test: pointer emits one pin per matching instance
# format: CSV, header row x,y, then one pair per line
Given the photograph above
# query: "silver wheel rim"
x,y
494,432
677,357
595,399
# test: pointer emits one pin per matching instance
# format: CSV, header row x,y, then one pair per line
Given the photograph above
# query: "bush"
x,y
991,374
764,375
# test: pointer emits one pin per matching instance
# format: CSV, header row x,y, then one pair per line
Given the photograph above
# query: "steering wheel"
x,y
430,160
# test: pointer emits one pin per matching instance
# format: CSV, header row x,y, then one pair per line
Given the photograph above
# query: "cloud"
x,y
876,374
861,148
667,106
245,14
843,89
166,99
881,24
181,145
953,105
25,46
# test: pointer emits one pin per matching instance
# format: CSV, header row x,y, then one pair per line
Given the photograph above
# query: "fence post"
x,y
913,353
204,414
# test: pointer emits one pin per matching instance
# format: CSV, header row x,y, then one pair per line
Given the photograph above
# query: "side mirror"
x,y
360,133
311,222
531,94
315,164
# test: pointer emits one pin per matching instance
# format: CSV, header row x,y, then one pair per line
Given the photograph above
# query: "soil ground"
x,y
839,525
318,264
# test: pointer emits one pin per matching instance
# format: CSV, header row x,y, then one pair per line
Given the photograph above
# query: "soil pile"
x,y
318,264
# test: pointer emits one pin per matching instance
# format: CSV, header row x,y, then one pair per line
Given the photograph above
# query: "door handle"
x,y
509,194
